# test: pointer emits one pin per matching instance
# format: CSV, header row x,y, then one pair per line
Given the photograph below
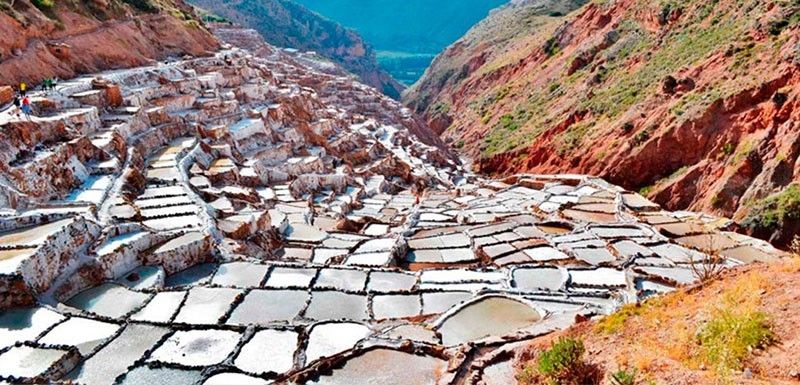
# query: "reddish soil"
x,y
34,46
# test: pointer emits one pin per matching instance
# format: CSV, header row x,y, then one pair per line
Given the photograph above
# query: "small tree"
x,y
711,265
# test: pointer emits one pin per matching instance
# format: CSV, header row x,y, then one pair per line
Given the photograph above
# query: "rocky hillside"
x,y
44,38
287,24
693,103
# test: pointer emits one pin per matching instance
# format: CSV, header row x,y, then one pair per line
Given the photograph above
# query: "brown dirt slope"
x,y
694,103
659,338
64,39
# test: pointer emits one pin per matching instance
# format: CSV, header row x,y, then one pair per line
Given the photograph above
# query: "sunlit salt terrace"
x,y
166,227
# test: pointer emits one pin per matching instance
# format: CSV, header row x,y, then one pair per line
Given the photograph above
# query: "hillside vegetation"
x,y
737,328
694,103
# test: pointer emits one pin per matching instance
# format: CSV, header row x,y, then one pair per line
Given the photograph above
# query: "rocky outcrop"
x,y
71,38
695,105
284,23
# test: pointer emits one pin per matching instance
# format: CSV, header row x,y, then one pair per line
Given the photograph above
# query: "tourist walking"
x,y
23,89
26,107
17,104
47,84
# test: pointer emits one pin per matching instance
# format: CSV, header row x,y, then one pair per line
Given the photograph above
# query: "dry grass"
x,y
707,333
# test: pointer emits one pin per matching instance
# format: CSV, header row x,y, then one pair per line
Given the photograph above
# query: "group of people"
x,y
22,103
49,84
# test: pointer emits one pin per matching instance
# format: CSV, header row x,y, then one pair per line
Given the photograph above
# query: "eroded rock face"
x,y
94,36
243,218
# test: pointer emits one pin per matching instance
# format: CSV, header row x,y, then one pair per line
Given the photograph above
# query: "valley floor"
x,y
244,218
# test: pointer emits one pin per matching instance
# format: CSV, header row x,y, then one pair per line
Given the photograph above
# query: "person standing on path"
x,y
23,89
17,104
26,107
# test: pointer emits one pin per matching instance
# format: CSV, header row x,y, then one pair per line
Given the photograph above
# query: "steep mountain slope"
x,y
287,24
694,103
67,38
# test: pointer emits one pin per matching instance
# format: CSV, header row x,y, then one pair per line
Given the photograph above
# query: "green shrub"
x,y
562,364
44,5
640,138
624,376
728,149
771,212
551,47
143,5
563,355
613,323
731,335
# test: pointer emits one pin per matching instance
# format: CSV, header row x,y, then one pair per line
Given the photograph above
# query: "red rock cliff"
x,y
70,38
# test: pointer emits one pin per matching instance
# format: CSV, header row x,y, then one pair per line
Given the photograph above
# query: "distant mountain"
x,y
287,24
415,26
407,34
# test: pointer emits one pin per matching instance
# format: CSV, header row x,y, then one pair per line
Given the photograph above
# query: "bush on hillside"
x,y
562,364
729,338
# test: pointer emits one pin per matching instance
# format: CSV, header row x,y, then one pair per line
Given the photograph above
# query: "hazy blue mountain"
x,y
406,34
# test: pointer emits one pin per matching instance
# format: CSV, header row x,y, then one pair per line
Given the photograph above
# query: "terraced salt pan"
x,y
370,259
115,358
386,366
113,244
439,302
144,375
197,348
161,308
195,275
380,281
286,277
143,277
234,378
328,339
206,306
540,278
175,222
31,236
543,254
602,277
269,351
83,333
413,332
396,306
21,325
240,274
341,279
108,299
29,362
334,305
478,319
261,307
